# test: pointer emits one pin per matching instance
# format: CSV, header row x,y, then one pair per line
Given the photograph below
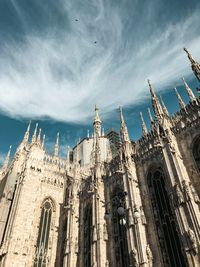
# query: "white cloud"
x,y
63,76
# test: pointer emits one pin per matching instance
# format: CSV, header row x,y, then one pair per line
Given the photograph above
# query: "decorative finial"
x,y
189,90
144,127
121,115
180,100
34,134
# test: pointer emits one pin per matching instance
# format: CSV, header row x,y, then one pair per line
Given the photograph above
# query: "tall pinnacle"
x,y
180,100
189,91
155,102
97,122
150,116
6,162
97,131
26,135
56,147
144,127
164,107
39,136
123,130
34,134
194,64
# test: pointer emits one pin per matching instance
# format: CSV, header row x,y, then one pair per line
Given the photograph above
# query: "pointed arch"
x,y
164,217
47,209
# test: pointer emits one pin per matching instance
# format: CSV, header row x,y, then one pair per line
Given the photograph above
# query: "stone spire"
x,y
26,135
39,136
194,64
34,134
56,147
7,159
144,127
123,130
97,131
164,107
97,122
155,102
150,116
189,91
180,100
43,140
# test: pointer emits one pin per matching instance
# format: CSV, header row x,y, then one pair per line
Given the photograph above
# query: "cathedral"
x,y
112,202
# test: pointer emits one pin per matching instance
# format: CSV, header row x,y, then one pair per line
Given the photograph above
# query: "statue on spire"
x,y
194,64
97,122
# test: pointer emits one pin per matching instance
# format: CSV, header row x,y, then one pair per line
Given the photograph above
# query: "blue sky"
x,y
59,58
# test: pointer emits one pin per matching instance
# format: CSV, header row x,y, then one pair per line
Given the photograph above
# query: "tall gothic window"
x,y
87,235
196,152
119,229
43,234
165,221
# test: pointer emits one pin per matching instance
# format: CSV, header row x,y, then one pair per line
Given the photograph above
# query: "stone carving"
x,y
192,239
149,256
186,189
194,193
179,194
134,257
142,215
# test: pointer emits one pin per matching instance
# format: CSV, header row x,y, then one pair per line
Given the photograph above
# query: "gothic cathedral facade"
x,y
133,204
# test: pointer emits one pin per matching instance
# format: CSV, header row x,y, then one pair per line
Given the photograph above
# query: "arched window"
x,y
119,229
43,234
196,152
165,221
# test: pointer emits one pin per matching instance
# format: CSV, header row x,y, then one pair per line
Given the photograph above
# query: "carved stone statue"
x,y
143,217
194,193
134,258
179,194
149,256
192,239
187,191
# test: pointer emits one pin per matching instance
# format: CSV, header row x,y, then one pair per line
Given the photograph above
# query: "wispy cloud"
x,y
105,57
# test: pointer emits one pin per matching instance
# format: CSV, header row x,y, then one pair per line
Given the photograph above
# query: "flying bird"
x,y
76,19
95,42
